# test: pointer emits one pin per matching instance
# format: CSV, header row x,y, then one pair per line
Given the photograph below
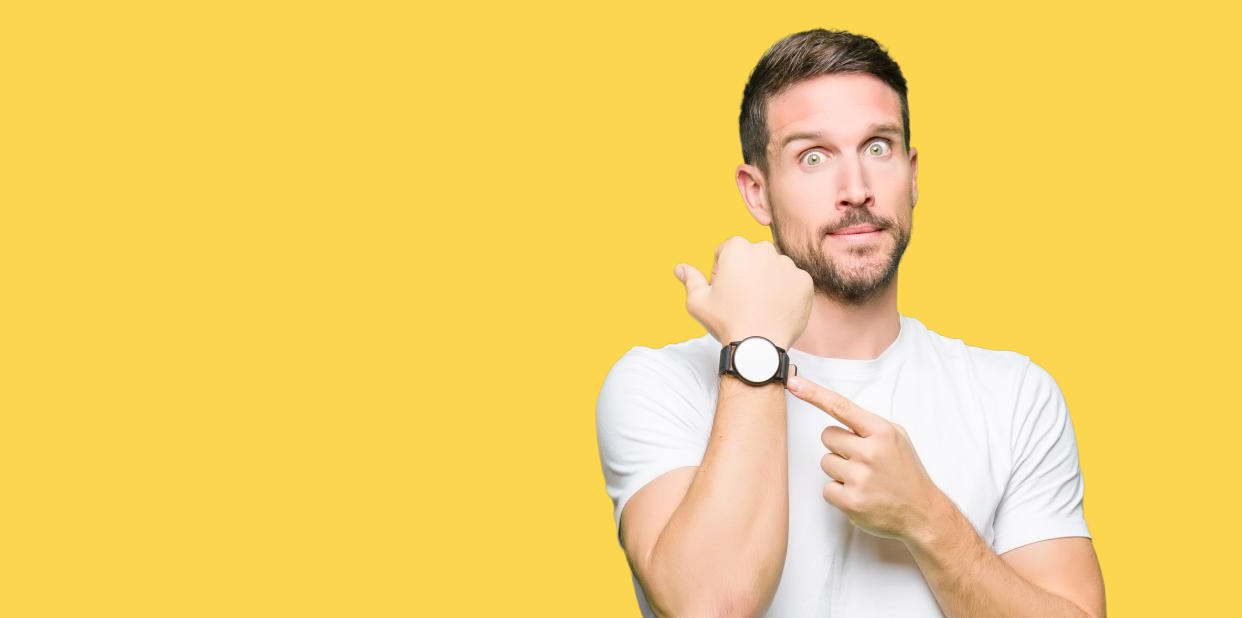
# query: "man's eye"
x,y
878,148
812,158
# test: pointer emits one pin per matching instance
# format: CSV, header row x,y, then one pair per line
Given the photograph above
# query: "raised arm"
x,y
711,539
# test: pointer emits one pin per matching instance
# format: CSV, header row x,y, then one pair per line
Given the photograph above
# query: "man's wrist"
x,y
940,529
777,341
755,360
737,380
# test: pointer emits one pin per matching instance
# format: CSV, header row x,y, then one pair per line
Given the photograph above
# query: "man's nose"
x,y
852,180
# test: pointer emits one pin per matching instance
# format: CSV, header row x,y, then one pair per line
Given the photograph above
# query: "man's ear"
x,y
914,176
750,182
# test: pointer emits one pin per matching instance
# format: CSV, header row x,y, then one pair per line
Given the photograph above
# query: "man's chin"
x,y
867,283
861,268
859,276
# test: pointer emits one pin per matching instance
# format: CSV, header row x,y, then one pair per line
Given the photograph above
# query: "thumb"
x,y
690,276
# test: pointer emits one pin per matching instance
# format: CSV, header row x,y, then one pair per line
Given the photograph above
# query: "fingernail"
x,y
794,383
681,275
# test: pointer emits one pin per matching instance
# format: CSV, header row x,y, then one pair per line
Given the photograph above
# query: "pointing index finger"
x,y
859,420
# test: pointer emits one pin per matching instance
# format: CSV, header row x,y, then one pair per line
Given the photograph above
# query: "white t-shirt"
x,y
990,426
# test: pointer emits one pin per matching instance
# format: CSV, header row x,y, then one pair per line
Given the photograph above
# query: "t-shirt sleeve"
x,y
1043,498
650,419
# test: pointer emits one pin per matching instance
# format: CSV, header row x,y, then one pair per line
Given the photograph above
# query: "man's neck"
x,y
857,332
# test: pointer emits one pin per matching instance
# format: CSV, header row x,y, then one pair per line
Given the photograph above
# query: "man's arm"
x,y
1055,577
717,546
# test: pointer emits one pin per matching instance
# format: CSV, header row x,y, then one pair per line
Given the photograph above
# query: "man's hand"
x,y
878,480
754,291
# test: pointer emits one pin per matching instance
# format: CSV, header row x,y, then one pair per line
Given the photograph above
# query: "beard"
x,y
848,284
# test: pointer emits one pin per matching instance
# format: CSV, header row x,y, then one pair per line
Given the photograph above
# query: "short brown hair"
x,y
806,55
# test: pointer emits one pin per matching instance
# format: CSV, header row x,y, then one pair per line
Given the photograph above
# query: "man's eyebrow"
x,y
877,128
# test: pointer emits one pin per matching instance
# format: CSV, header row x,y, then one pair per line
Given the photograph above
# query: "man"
x,y
904,473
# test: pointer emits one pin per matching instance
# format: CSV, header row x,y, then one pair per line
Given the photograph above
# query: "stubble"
x,y
849,284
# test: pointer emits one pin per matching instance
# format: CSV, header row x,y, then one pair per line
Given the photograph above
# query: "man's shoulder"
x,y
987,362
677,380
695,356
1006,378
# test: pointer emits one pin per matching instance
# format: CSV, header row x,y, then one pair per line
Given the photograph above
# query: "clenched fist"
x,y
754,291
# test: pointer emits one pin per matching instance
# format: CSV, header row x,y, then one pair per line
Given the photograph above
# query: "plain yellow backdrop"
x,y
307,305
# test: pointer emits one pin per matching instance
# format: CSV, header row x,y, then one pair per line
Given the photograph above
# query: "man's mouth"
x,y
856,230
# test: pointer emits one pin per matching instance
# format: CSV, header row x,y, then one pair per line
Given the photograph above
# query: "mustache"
x,y
857,216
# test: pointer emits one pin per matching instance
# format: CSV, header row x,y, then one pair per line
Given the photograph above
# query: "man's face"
x,y
840,185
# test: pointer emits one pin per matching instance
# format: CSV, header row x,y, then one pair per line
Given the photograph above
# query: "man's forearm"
x,y
723,549
969,579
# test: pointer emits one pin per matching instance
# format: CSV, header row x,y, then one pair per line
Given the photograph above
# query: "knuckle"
x,y
884,430
867,453
733,244
861,453
852,503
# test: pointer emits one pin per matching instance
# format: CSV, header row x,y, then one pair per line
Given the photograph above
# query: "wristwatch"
x,y
756,361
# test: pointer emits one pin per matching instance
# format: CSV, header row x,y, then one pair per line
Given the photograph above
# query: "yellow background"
x,y
308,304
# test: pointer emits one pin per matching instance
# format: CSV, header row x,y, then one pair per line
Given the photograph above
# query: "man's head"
x,y
825,137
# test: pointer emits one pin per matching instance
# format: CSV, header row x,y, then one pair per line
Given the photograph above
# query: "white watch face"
x,y
756,359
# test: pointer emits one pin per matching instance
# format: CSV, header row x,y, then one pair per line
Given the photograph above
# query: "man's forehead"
x,y
839,105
